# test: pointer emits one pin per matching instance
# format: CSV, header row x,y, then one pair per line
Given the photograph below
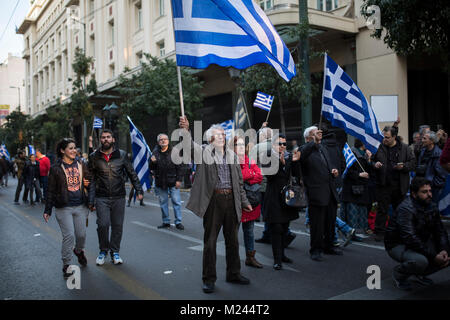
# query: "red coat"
x,y
251,175
44,166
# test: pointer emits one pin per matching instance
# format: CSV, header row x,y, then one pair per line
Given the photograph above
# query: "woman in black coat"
x,y
355,193
275,213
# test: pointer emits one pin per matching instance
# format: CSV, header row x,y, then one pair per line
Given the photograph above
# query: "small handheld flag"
x,y
350,158
228,128
4,152
98,123
263,101
31,150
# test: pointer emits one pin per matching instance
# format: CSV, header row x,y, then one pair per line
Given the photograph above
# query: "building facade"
x,y
117,33
12,89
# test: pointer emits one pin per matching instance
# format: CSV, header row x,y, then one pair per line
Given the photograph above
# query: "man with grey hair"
x,y
168,176
428,165
218,196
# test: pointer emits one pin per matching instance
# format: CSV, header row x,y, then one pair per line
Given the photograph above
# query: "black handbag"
x,y
293,194
254,196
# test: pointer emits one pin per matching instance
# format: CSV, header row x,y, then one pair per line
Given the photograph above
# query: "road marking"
x,y
220,249
115,274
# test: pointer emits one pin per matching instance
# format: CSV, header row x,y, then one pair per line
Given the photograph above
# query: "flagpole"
x,y
245,107
268,114
323,88
180,84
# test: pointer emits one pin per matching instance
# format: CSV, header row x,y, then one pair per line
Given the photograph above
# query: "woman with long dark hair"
x,y
68,182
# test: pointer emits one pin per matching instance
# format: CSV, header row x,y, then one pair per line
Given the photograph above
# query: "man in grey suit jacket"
x,y
218,196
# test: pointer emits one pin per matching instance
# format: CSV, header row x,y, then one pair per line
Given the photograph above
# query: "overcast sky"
x,y
9,40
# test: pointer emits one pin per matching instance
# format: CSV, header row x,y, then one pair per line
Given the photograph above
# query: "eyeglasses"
x,y
282,143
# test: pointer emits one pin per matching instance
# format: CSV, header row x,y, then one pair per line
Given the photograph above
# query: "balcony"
x,y
26,53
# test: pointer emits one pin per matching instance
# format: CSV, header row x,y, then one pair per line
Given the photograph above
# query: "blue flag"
x,y
31,150
345,106
349,158
228,128
444,201
4,152
240,116
263,101
98,123
141,156
233,33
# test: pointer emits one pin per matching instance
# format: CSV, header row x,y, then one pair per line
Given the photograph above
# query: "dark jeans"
x,y
388,195
33,186
20,185
220,212
44,186
110,213
411,262
322,221
278,233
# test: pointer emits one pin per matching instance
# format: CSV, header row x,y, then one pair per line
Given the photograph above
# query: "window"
x,y
91,6
327,5
161,7
139,18
111,34
266,4
162,50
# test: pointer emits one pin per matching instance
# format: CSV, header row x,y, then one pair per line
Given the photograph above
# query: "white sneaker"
x,y
116,258
101,259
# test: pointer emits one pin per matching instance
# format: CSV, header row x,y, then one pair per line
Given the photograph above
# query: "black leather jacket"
x,y
166,172
418,228
108,177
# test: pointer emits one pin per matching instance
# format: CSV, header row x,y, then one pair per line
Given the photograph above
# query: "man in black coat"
x,y
392,163
416,237
319,176
32,175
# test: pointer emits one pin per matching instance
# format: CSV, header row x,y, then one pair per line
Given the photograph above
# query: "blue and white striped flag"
x,y
345,106
240,116
233,33
4,152
98,123
31,150
350,158
228,127
263,101
141,156
444,201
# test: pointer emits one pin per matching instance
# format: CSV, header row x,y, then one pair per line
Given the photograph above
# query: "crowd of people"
x,y
403,183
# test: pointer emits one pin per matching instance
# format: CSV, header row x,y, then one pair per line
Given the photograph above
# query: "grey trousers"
x,y
110,213
411,262
72,221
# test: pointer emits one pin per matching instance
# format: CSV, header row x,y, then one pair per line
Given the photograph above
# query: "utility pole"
x,y
303,56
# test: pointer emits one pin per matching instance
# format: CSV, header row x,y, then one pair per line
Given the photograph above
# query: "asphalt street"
x,y
167,263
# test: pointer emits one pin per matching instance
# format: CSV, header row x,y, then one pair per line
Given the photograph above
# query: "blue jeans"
x,y
163,195
249,238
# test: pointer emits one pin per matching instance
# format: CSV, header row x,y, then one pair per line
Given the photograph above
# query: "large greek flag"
x,y
141,156
444,201
345,106
233,33
4,152
349,158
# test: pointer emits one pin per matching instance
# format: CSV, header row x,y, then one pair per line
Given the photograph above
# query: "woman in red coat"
x,y
252,175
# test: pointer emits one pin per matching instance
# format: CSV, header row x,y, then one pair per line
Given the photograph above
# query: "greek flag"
x,y
263,101
4,152
349,158
31,150
240,115
228,128
233,33
98,123
345,106
141,156
444,202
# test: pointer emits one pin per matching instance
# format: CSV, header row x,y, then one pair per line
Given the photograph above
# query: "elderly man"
x,y
416,237
218,196
428,165
167,181
319,176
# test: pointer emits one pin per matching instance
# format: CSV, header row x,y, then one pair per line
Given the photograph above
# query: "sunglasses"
x,y
282,143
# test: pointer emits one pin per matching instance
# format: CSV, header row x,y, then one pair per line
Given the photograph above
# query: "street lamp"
x,y
18,88
111,114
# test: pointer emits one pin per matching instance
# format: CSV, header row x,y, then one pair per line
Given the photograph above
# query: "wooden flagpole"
x,y
241,95
180,85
